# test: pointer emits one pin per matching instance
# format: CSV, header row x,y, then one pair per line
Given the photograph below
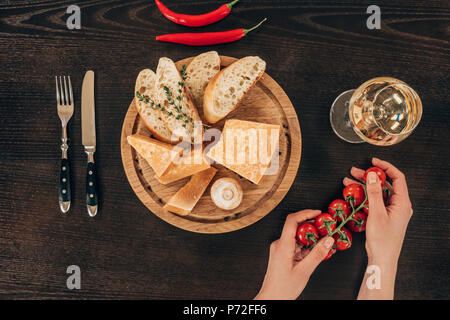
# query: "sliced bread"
x,y
174,102
227,89
144,101
187,197
199,73
159,155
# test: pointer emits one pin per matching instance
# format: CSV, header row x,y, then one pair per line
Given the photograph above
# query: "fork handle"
x,y
64,186
91,186
64,193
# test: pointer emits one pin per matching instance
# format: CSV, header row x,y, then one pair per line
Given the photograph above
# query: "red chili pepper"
x,y
196,20
207,38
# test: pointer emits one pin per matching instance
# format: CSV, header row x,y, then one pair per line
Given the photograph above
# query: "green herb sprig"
x,y
176,103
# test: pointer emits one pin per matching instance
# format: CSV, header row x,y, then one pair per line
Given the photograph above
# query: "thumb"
x,y
316,256
374,194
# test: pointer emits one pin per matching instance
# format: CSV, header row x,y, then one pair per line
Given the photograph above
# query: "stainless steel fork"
x,y
64,102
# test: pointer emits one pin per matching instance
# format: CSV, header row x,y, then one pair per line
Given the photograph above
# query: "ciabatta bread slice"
x,y
159,155
248,148
199,73
144,101
186,166
174,102
227,89
187,197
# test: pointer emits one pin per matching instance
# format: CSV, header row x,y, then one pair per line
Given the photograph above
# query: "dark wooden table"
x,y
314,50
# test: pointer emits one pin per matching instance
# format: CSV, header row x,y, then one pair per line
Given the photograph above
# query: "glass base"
x,y
339,119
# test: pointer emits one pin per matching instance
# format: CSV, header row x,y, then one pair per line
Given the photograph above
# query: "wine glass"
x,y
382,111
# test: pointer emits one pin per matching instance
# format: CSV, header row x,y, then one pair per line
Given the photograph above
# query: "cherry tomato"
x,y
339,209
380,173
325,223
343,239
330,253
358,222
307,234
354,193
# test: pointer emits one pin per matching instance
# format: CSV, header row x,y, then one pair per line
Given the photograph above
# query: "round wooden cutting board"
x,y
266,102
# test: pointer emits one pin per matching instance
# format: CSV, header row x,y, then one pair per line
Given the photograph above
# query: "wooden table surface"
x,y
314,50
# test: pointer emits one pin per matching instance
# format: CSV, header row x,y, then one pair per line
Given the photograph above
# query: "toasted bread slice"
x,y
187,197
159,155
144,98
227,89
185,166
199,73
248,148
174,102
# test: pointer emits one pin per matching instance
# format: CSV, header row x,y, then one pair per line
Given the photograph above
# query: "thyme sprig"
x,y
176,102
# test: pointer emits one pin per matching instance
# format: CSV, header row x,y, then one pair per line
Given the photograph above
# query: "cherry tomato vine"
x,y
342,215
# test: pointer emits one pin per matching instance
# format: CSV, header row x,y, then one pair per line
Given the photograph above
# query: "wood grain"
x,y
314,50
264,103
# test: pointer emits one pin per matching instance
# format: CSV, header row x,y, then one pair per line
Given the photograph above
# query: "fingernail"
x,y
372,178
329,242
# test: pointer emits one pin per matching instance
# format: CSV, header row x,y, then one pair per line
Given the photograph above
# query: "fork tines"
x,y
63,96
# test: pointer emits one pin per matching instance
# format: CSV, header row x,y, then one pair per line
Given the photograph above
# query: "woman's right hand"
x,y
386,226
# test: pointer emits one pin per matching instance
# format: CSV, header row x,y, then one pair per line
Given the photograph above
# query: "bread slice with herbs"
x,y
144,101
174,102
227,89
199,73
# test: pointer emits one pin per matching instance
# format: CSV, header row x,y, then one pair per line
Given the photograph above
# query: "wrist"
x,y
387,268
387,263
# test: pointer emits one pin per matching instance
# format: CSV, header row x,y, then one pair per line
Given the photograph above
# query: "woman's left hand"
x,y
290,266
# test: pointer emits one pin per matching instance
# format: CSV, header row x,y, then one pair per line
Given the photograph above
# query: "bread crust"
x,y
208,100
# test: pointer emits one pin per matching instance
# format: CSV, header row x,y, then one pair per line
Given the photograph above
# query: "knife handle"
x,y
64,186
91,189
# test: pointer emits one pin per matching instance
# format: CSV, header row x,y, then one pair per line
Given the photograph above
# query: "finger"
x,y
287,239
375,194
348,181
398,178
357,173
315,257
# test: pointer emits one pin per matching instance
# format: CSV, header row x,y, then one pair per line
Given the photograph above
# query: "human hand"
x,y
386,226
290,265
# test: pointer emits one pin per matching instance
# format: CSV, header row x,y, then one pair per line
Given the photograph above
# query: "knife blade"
x,y
88,139
88,110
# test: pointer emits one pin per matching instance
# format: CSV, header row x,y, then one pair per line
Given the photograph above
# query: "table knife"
x,y
88,140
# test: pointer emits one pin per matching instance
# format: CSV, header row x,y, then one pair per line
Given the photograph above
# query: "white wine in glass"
x,y
382,111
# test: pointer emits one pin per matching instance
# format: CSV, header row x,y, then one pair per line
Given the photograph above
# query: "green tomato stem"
x,y
338,229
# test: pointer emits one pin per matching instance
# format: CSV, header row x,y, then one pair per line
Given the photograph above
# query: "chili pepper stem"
x,y
231,4
251,29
